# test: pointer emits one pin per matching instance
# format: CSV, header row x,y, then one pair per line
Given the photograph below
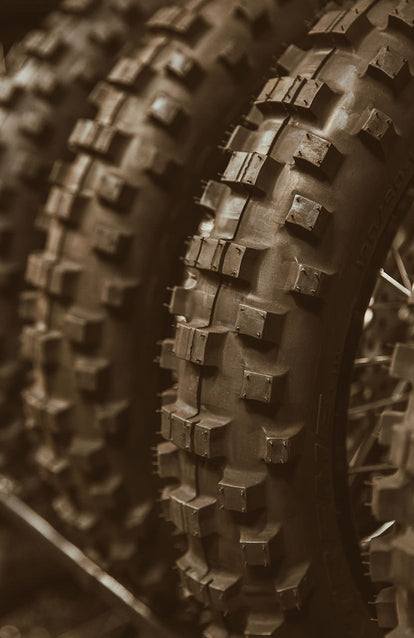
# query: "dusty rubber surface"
x,y
50,74
118,213
255,435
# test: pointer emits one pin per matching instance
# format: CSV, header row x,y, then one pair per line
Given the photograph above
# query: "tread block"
x,y
71,175
252,171
115,191
290,59
88,455
255,12
387,420
113,418
35,125
305,95
339,27
119,294
231,211
401,442
185,68
168,359
91,374
265,388
177,20
34,406
79,520
241,492
198,346
258,323
378,133
282,447
82,328
402,17
259,141
307,281
176,427
109,493
193,251
223,589
261,548
307,217
402,363
111,242
316,153
167,112
212,195
391,67
9,90
56,418
43,45
108,100
194,517
264,625
63,278
293,586
95,137
168,459
46,84
65,205
386,606
210,255
238,260
380,559
390,500
235,59
208,434
403,561
54,467
130,73
42,346
28,300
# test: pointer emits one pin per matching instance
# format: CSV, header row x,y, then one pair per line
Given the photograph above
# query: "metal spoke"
x,y
377,360
366,542
395,283
359,411
401,267
367,469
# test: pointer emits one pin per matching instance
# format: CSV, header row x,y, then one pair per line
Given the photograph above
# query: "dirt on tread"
x,y
116,221
303,214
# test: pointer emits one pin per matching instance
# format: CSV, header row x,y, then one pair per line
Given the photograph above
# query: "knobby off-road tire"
x,y
117,213
50,75
392,557
267,326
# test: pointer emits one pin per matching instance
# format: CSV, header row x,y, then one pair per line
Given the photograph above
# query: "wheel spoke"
x,y
367,469
401,267
378,360
395,283
359,411
366,541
